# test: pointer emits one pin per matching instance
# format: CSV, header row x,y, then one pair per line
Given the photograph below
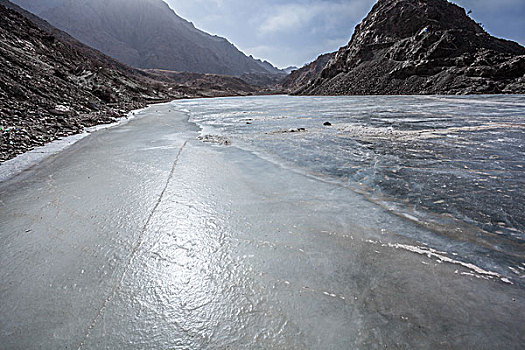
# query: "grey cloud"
x,y
294,32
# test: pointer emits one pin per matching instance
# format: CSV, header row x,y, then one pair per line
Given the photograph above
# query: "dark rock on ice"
x,y
216,139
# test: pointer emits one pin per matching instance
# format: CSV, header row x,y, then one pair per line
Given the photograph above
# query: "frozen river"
x,y
246,223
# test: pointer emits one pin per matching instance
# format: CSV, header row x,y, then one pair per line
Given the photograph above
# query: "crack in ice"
x,y
133,252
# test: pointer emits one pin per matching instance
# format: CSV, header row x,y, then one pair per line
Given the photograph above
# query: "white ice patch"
x,y
410,217
432,253
62,108
441,256
477,101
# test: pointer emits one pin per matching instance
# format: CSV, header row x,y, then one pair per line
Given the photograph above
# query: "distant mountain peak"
x,y
146,34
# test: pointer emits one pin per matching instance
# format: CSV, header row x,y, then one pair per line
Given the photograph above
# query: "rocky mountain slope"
x,y
304,76
205,85
146,34
52,86
418,47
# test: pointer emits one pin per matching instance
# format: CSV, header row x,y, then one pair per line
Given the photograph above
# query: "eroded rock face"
x,y
421,47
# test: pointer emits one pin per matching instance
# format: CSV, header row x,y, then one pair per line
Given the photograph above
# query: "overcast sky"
x,y
294,32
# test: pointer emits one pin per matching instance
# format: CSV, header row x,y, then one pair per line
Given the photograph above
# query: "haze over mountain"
x,y
146,34
416,47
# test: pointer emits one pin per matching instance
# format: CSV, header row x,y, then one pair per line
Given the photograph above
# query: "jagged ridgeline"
x,y
416,47
146,34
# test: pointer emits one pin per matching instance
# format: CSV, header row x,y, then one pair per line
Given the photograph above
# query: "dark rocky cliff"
x,y
146,34
306,75
419,47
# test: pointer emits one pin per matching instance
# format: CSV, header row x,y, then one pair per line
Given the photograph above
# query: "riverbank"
x,y
32,157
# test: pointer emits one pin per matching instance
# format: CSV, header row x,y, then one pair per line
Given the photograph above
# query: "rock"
x,y
216,139
306,75
415,47
287,131
93,106
104,93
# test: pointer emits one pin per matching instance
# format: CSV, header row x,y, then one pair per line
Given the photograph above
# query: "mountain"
x,y
306,75
417,47
52,85
205,85
146,34
290,69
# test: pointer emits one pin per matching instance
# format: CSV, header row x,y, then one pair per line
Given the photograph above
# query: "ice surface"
x,y
143,236
462,157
